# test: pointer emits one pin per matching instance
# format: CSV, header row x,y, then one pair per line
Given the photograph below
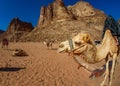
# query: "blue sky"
x,y
29,10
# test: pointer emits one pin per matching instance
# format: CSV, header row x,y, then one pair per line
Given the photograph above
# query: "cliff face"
x,y
82,9
86,12
17,25
16,29
55,11
59,22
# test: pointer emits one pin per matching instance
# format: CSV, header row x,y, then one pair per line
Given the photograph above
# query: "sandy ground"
x,y
43,67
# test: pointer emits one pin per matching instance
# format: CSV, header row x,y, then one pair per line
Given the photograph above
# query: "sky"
x,y
29,10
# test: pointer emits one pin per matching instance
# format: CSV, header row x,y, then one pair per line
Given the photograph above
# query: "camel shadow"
x,y
99,72
10,69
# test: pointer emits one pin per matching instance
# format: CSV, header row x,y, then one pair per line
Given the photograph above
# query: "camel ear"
x,y
86,38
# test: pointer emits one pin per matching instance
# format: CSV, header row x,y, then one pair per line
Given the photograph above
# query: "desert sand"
x,y
44,67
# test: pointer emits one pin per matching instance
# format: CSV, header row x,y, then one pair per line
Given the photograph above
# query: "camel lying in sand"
x,y
5,43
83,46
19,52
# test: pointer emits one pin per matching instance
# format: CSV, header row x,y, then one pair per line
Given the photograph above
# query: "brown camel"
x,y
82,45
5,43
48,43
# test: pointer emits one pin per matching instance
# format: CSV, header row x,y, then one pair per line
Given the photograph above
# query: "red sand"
x,y
42,67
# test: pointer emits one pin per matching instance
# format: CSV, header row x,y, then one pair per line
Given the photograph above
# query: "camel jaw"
x,y
64,47
60,50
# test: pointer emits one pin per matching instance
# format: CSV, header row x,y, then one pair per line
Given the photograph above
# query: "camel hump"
x,y
114,26
108,31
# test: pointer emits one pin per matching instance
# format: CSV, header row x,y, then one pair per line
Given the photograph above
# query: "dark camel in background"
x,y
5,43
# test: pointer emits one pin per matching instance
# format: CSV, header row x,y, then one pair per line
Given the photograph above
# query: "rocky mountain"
x,y
1,31
60,22
17,25
16,29
55,11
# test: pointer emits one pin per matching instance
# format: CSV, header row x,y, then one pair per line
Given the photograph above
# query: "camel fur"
x,y
91,53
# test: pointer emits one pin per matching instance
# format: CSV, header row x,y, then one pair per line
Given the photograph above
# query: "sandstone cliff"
x,y
17,25
55,11
16,29
59,22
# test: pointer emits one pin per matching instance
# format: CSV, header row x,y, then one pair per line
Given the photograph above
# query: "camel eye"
x,y
61,46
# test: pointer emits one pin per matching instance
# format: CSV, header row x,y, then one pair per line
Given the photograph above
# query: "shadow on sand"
x,y
100,72
10,69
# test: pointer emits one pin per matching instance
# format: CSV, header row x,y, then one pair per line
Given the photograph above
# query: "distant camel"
x,y
48,43
91,53
5,43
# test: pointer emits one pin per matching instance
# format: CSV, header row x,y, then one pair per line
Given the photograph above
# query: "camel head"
x,y
77,41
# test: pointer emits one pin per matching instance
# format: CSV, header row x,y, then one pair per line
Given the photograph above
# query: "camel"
x,y
5,43
19,52
48,43
83,45
65,46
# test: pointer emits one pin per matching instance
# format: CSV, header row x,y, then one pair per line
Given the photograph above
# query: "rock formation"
x,y
17,25
57,11
86,12
53,12
16,29
60,22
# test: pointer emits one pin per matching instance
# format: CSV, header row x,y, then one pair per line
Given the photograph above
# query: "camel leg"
x,y
113,68
106,73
